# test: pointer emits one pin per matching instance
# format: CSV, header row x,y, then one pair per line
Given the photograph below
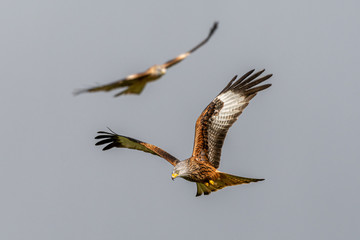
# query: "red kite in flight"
x,y
135,83
210,131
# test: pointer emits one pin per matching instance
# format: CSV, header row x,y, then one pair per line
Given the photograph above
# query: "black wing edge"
x,y
111,138
212,30
80,91
246,83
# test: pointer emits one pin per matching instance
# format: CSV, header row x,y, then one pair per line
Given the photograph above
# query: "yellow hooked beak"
x,y
174,175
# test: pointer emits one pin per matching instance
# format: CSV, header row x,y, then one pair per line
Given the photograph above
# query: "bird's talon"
x,y
211,182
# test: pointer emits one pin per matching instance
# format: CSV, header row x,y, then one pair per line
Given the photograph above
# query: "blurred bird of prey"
x,y
135,83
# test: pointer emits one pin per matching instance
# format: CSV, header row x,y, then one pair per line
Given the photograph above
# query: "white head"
x,y
180,170
158,70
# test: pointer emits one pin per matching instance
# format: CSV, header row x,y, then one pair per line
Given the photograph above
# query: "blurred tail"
x,y
224,180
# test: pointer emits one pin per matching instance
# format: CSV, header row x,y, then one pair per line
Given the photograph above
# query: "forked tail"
x,y
224,180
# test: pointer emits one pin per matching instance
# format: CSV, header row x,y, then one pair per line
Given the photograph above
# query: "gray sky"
x,y
301,135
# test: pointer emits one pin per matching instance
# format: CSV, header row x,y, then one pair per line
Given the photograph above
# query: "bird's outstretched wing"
x,y
215,121
114,140
182,56
135,83
129,81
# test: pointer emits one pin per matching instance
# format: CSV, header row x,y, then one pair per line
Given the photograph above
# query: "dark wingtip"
x,y
215,26
105,141
245,75
103,132
79,91
249,80
267,76
107,138
213,29
119,94
267,85
107,147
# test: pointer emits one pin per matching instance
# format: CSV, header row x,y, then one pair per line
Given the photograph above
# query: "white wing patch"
x,y
232,106
233,103
214,122
182,56
132,76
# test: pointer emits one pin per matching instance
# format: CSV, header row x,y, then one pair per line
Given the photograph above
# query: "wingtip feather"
x,y
107,147
79,91
105,141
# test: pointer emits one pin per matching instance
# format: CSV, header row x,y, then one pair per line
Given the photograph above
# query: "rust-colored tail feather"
x,y
224,180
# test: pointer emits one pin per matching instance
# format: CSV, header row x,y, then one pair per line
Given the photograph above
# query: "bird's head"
x,y
180,170
159,70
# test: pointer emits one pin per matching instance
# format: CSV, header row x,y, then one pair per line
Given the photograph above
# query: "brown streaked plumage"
x,y
135,83
210,131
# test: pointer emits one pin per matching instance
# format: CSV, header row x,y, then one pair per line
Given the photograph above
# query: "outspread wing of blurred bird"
x,y
210,131
135,83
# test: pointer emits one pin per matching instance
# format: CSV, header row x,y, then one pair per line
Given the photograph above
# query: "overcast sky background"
x,y
301,135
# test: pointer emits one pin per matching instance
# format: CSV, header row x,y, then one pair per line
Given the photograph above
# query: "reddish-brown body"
x,y
200,171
